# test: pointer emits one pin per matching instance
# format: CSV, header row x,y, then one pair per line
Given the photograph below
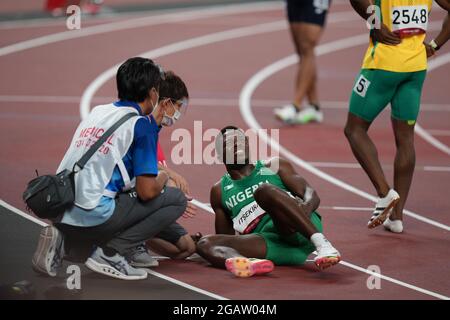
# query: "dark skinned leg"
x,y
217,248
405,160
365,152
285,211
305,37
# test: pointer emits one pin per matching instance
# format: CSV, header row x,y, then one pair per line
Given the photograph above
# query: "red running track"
x,y
39,110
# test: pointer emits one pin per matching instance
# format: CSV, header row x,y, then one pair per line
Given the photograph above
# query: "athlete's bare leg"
x,y
184,247
365,152
287,215
405,160
286,212
305,37
218,248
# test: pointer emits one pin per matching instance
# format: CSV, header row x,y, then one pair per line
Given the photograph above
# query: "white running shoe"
x,y
49,253
116,266
395,226
307,115
139,257
383,209
327,256
286,113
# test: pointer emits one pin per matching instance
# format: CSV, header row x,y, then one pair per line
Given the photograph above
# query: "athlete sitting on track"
x,y
273,212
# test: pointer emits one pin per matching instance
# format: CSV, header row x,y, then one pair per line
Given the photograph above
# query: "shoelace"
x,y
141,249
57,259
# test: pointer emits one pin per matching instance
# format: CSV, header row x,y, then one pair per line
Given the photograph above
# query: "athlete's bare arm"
x,y
297,185
444,35
444,4
223,223
360,6
381,34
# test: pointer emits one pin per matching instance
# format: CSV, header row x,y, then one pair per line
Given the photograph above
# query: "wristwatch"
x,y
434,45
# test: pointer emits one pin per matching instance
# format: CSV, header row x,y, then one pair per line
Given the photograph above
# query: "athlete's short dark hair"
x,y
136,77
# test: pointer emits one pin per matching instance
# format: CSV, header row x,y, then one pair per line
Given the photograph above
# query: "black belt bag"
x,y
50,196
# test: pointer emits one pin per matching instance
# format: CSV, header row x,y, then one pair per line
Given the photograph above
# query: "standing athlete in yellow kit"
x,y
393,71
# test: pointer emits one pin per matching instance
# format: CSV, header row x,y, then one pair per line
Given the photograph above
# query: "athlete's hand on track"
x,y
429,49
191,210
384,35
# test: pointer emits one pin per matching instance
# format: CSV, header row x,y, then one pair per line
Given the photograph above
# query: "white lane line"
x,y
431,140
185,285
206,207
176,47
156,274
139,22
197,101
93,91
434,64
49,22
249,118
21,213
191,43
400,283
98,82
438,169
345,208
230,34
345,165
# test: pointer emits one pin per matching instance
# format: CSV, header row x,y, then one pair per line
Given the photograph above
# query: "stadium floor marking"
x,y
362,269
215,296
213,38
197,101
154,273
207,207
175,47
195,42
249,118
138,23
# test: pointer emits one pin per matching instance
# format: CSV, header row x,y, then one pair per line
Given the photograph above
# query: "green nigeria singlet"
x,y
237,198
248,217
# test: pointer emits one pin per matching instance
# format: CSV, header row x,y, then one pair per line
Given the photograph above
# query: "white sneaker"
x,y
139,257
307,115
116,266
286,113
383,209
395,226
49,253
327,256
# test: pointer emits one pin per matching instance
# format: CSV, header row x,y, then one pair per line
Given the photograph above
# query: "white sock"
x,y
318,239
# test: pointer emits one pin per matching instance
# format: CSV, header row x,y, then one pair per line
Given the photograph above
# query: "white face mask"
x,y
169,121
157,99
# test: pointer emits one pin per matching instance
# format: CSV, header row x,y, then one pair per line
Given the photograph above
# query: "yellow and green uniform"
x,y
248,217
394,74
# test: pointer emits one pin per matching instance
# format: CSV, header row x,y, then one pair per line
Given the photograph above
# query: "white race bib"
x,y
409,20
248,218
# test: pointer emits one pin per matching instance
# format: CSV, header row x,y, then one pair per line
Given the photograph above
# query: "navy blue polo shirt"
x,y
140,159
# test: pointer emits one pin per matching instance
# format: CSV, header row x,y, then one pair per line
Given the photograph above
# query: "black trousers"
x,y
132,223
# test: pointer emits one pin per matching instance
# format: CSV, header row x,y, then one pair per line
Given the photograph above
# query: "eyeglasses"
x,y
183,104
